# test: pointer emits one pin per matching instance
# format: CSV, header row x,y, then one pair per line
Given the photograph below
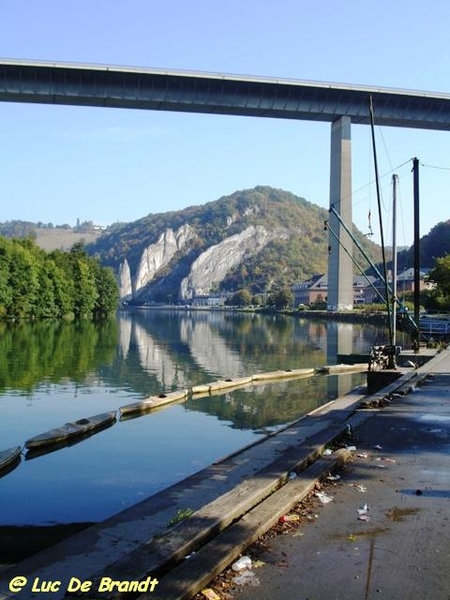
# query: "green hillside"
x,y
282,262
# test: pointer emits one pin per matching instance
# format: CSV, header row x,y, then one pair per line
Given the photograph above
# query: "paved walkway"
x,y
399,473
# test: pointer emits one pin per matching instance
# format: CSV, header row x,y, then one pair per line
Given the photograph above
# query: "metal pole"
x,y
394,267
416,341
377,181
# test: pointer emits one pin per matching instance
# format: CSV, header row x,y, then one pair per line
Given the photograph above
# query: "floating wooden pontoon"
x,y
9,457
221,384
283,374
71,430
331,369
153,402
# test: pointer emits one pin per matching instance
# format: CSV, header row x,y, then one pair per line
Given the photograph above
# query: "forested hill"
x,y
285,237
434,244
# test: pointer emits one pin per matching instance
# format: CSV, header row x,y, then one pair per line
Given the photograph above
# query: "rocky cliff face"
x,y
125,285
206,272
173,256
211,266
154,258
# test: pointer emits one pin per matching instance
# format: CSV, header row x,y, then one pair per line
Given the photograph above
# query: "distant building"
x,y
315,290
208,300
405,285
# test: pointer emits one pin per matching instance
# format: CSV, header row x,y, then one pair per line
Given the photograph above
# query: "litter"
x,y
246,578
243,563
359,486
327,452
363,455
333,477
377,447
351,448
292,475
288,518
210,594
324,498
363,513
258,563
363,510
364,518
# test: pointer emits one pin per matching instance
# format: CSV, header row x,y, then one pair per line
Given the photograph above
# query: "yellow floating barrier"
x,y
331,369
153,402
283,374
221,384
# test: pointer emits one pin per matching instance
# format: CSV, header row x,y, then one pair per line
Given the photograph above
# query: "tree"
x,y
241,298
107,290
282,298
440,276
35,284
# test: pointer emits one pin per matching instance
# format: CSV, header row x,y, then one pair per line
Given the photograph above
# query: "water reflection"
x,y
52,373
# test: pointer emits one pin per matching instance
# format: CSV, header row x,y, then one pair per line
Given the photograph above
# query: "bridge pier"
x,y
340,265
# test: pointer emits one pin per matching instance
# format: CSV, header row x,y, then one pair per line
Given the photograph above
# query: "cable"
x,y
434,167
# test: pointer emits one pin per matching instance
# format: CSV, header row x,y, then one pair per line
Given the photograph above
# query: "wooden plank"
x,y
164,550
194,574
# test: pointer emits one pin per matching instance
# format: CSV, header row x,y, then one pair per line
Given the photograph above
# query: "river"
x,y
55,372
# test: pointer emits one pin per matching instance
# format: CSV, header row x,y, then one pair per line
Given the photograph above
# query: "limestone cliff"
x,y
125,286
212,266
158,255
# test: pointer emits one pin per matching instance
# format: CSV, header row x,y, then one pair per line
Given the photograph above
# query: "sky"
x,y
60,164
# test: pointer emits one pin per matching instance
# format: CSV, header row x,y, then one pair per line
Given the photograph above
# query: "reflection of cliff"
x,y
125,329
156,360
167,348
209,349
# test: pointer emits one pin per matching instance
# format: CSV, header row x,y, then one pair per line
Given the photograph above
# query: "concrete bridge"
x,y
151,89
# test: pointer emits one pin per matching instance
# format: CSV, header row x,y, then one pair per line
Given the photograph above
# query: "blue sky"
x,y
105,165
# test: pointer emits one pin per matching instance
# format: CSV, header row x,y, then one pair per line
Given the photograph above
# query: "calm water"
x,y
51,373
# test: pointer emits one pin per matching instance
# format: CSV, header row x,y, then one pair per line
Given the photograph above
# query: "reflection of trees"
x,y
53,351
272,404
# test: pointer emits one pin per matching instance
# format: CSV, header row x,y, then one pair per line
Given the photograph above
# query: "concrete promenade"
x,y
399,473
400,470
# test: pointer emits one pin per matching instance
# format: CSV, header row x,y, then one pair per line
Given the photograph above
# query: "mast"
x,y
416,340
377,181
394,268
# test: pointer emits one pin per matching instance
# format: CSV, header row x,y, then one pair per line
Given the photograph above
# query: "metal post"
x,y
416,251
394,269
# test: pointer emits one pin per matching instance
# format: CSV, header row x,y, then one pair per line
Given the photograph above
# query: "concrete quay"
x,y
237,500
398,545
